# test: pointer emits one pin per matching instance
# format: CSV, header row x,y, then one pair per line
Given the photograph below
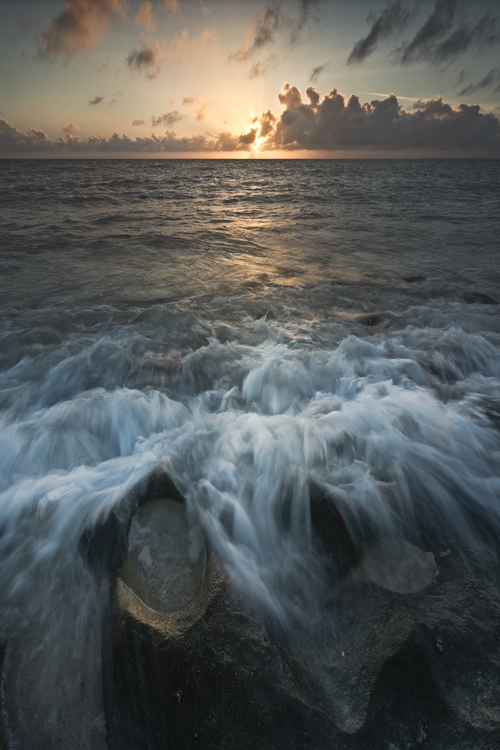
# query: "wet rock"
x,y
413,279
210,674
479,297
3,730
331,528
370,319
406,658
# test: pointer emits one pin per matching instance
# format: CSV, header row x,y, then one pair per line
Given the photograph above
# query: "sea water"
x,y
257,326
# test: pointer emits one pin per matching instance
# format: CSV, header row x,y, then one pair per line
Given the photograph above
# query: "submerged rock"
x,y
397,566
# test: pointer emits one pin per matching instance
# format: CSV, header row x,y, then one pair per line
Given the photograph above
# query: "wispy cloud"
x,y
79,26
393,19
316,72
446,33
489,79
261,67
145,16
268,25
202,49
200,109
96,100
168,119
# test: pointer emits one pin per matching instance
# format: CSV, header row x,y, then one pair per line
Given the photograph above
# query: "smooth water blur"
x,y
256,326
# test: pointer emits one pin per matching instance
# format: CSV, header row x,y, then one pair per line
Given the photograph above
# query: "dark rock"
x,y
3,731
370,319
388,669
413,279
331,528
479,297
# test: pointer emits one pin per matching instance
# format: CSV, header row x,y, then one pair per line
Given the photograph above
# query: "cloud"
x,y
261,67
446,34
489,79
97,100
71,129
268,24
24,23
316,72
200,111
202,49
335,123
330,123
169,119
173,7
267,124
250,137
13,141
79,26
262,33
393,19
145,16
145,60
138,122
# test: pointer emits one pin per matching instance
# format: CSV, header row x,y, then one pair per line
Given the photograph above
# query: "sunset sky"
x,y
256,78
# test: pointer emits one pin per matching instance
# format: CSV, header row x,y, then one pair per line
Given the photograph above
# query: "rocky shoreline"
x,y
412,662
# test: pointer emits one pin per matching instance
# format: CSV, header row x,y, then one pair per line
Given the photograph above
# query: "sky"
x,y
253,79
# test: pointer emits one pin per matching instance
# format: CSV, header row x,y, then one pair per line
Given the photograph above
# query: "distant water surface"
x,y
256,325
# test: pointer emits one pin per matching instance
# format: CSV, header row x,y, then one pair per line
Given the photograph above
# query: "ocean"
x,y
256,326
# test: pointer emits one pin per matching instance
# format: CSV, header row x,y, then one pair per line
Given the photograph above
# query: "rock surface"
x,y
393,670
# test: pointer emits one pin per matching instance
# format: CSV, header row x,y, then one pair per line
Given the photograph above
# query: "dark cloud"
x,y
332,123
316,72
14,141
268,24
145,59
169,119
336,123
267,124
393,19
262,33
489,79
97,100
250,137
189,100
462,76
79,26
446,34
138,122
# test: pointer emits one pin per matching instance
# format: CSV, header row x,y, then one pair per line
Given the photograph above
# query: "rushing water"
x,y
255,325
